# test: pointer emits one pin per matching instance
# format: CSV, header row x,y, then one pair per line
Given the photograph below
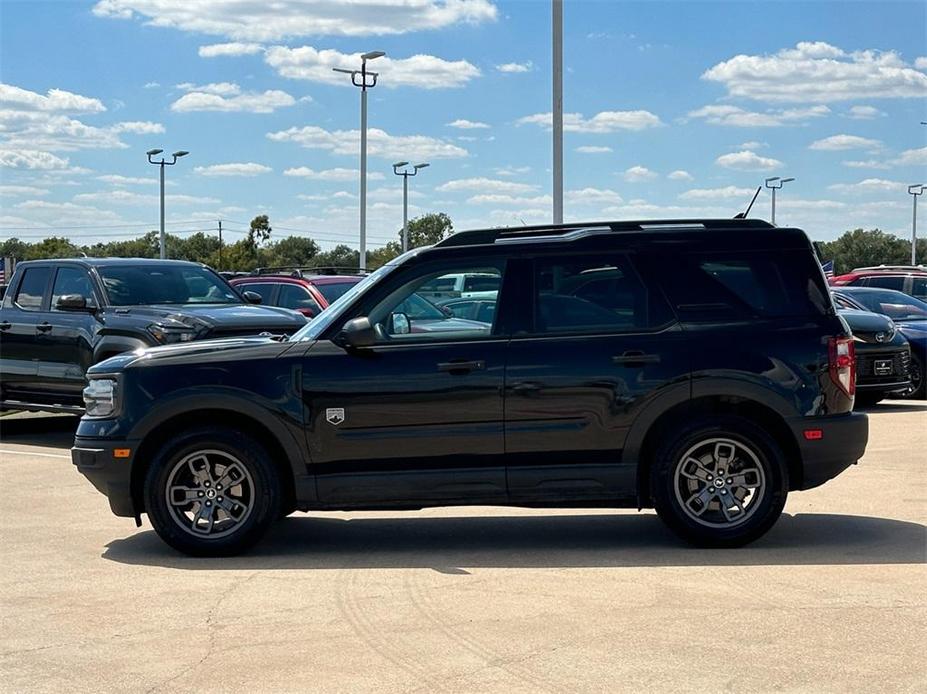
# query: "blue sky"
x,y
673,109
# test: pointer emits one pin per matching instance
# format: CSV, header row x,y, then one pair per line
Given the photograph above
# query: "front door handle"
x,y
461,367
6,325
636,357
44,327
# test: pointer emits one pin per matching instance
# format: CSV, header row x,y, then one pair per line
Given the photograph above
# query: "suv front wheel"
x,y
212,492
721,482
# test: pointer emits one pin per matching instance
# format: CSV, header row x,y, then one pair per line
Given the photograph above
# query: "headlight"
x,y
166,334
100,397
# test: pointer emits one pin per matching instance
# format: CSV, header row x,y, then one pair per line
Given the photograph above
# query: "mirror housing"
x,y
252,297
358,333
73,302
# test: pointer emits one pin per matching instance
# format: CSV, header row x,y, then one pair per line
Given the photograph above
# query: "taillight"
x,y
843,364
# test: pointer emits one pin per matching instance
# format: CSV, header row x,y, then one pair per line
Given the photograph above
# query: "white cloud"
x,y
485,185
425,71
725,114
229,49
31,159
511,170
592,196
864,113
118,180
603,122
593,149
66,213
273,21
921,63
465,124
151,85
818,72
248,102
867,164
870,185
54,101
913,157
126,197
503,199
220,88
14,191
680,175
233,169
638,174
839,143
745,160
716,193
379,143
336,174
138,127
515,67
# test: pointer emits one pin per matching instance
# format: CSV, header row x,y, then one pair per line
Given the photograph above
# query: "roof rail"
x,y
901,268
568,232
301,270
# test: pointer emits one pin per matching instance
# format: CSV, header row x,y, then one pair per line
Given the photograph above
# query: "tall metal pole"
x,y
163,249
405,213
220,245
557,107
774,183
363,171
174,157
773,216
914,191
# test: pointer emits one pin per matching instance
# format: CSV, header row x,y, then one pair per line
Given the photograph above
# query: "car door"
x,y
416,417
298,298
21,350
597,346
68,339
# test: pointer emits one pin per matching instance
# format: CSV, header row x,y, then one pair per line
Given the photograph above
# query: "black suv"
x,y
61,316
698,367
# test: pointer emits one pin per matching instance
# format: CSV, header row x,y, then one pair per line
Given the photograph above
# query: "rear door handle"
x,y
635,358
44,327
6,325
461,367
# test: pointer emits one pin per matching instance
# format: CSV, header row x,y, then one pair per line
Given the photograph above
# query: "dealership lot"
x,y
474,599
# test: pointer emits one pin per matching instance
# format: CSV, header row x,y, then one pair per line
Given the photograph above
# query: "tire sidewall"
x,y
769,506
251,454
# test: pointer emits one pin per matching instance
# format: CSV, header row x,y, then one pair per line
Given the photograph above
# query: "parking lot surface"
x,y
468,599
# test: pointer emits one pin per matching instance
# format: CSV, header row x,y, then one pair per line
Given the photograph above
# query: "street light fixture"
x,y
775,183
405,173
365,80
174,157
914,190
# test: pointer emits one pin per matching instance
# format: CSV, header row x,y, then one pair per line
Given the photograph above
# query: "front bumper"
x,y
842,443
96,460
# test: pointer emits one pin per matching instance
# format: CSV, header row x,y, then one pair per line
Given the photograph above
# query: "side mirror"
x,y
307,312
358,333
252,297
400,324
448,313
72,302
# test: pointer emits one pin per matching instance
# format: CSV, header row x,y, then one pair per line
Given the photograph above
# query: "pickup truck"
x,y
59,317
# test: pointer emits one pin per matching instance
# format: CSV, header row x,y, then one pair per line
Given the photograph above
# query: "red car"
x,y
910,279
306,293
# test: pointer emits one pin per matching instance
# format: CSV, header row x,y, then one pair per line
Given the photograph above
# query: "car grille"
x,y
865,367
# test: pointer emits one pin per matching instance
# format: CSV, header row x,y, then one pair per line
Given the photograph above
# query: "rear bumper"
x,y
841,444
95,459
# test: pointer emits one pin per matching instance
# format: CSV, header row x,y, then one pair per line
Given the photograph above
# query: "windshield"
x,y
141,285
895,305
332,291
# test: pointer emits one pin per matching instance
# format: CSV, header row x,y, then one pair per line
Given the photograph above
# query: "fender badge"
x,y
334,415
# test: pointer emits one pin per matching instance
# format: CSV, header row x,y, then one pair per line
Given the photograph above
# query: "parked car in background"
x,y
907,312
299,290
482,310
60,317
909,279
883,356
707,377
464,285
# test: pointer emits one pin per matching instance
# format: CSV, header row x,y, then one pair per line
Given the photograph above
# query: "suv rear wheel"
x,y
721,482
212,492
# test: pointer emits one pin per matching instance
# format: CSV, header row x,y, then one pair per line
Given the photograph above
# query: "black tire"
x,y
217,449
758,452
868,399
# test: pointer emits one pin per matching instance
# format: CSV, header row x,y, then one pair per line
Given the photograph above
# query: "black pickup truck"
x,y
59,317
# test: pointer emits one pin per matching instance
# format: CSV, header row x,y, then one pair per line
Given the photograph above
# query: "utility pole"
x,y
220,245
557,106
914,191
774,184
176,155
405,173
359,78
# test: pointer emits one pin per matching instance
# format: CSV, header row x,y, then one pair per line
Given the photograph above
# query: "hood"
x,y
915,330
868,326
220,316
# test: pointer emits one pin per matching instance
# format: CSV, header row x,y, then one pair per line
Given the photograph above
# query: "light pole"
x,y
175,156
915,190
359,78
405,173
774,184
557,106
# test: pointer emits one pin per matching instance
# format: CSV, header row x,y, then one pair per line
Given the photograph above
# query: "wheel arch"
x,y
111,345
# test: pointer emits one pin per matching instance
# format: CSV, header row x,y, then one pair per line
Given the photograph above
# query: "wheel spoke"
x,y
235,509
181,496
199,467
204,513
748,478
724,454
232,476
702,497
694,470
726,501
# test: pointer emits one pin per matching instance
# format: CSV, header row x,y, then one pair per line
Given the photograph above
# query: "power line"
x,y
100,226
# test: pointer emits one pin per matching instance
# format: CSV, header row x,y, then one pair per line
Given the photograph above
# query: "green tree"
x,y
293,250
428,229
259,231
53,247
859,248
340,256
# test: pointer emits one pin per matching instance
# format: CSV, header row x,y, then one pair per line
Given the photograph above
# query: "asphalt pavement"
x,y
468,599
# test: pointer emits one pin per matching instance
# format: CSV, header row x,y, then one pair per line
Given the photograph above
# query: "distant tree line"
x,y
258,249
859,248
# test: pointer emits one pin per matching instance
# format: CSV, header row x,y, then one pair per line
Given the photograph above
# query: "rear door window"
x,y
32,288
890,282
296,297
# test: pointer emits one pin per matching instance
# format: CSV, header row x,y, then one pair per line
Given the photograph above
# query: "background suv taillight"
x,y
843,364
